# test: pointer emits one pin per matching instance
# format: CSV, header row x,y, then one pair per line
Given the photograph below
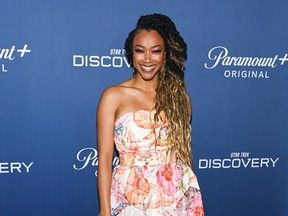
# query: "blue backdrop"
x,y
56,58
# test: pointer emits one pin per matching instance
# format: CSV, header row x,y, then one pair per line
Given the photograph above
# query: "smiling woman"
x,y
148,53
148,119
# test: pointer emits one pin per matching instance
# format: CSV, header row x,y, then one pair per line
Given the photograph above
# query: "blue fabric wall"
x,y
57,56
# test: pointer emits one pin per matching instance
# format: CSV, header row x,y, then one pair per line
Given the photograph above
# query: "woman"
x,y
148,118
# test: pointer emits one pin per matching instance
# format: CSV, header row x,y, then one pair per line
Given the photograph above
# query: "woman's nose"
x,y
147,57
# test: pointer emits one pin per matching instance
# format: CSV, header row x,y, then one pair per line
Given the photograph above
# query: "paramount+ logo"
x,y
246,67
238,160
88,157
10,54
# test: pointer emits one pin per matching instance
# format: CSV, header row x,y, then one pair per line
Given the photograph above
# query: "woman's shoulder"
x,y
117,90
113,97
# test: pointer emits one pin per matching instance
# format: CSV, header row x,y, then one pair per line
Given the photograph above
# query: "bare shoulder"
x,y
110,93
122,90
126,84
109,98
117,91
112,98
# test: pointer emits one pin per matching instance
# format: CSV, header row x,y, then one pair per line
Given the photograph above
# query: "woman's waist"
x,y
154,158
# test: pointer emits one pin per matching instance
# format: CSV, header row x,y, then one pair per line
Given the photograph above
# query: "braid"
x,y
171,97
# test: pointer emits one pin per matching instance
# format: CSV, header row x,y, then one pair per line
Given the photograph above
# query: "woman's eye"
x,y
157,51
138,51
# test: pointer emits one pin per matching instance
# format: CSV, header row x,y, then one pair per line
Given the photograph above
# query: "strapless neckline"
x,y
131,113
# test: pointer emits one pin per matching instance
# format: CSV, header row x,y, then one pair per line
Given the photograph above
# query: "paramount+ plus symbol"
x,y
10,54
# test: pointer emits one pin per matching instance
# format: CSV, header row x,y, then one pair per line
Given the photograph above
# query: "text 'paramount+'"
x,y
255,67
10,54
89,156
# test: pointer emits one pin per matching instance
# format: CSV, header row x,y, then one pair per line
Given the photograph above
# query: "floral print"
x,y
168,178
144,183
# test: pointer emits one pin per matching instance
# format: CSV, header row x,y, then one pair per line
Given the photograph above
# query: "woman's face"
x,y
148,54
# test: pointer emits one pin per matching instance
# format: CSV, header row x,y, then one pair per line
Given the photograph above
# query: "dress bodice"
x,y
139,139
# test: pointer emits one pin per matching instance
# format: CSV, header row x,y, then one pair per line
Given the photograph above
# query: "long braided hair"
x,y
171,96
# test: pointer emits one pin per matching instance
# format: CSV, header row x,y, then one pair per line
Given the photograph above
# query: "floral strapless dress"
x,y
143,183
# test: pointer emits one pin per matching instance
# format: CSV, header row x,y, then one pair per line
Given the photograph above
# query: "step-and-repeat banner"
x,y
56,58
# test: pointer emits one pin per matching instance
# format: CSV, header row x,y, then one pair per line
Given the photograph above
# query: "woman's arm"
x,y
105,131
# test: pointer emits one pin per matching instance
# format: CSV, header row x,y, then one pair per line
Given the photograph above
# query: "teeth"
x,y
148,68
